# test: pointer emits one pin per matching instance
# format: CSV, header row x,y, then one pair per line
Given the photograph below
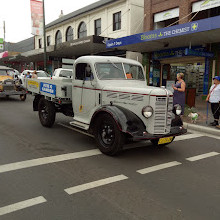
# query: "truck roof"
x,y
103,59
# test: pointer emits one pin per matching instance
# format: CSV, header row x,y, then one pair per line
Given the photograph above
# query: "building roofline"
x,y
78,12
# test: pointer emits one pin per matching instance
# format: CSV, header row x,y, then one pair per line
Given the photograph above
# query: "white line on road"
x,y
47,160
158,167
95,184
187,136
202,156
22,205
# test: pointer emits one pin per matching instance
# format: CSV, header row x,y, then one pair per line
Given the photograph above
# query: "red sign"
x,y
37,17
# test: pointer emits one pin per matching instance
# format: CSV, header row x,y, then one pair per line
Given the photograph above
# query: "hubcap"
x,y
107,134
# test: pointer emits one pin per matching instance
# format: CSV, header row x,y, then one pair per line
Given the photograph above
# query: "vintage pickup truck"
x,y
109,97
9,84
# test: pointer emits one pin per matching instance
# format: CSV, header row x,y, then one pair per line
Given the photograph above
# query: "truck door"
x,y
84,93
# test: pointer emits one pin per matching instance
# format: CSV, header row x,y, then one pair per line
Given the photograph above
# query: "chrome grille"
x,y
162,115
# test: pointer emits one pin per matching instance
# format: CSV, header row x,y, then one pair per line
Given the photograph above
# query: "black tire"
x,y
23,97
46,112
155,142
109,138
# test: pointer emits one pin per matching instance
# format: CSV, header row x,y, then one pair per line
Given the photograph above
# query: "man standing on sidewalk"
x,y
214,98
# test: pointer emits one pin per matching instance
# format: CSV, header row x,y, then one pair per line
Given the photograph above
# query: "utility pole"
x,y
44,30
4,36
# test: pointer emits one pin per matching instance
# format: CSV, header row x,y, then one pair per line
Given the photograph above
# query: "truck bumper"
x,y
175,131
4,93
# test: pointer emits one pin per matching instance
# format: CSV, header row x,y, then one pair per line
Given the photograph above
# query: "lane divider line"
x,y
91,185
158,167
22,205
187,136
202,156
47,160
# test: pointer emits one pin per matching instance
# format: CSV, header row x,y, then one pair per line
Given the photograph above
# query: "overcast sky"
x,y
17,16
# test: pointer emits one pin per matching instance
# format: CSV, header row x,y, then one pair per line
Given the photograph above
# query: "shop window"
x,y
82,30
48,40
166,23
69,34
212,12
117,21
40,43
98,27
58,38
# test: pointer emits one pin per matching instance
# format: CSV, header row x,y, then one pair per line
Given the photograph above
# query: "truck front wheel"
x,y
109,138
47,112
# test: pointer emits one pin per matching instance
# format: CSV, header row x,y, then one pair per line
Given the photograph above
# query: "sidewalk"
x,y
202,123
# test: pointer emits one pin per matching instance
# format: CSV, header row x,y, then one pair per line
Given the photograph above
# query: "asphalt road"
x,y
58,174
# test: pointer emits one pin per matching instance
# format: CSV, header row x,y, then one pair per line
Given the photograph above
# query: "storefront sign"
x,y
36,17
173,31
204,5
1,44
165,15
48,88
176,52
191,52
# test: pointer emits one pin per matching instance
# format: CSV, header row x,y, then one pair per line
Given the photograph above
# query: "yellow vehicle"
x,y
9,85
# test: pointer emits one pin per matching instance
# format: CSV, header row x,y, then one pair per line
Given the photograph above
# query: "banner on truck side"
x,y
36,17
48,88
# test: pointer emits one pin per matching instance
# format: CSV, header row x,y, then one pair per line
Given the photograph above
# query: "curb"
x,y
203,129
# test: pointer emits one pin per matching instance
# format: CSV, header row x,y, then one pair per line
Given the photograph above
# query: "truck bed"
x,y
59,88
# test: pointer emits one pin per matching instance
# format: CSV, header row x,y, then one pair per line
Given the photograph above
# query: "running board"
x,y
79,125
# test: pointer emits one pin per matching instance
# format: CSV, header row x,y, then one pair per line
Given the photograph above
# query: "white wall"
x,y
132,12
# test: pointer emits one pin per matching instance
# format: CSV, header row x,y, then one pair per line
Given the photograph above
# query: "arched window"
x,y
82,31
58,38
69,34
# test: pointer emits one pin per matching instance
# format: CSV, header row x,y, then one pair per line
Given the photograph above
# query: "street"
x,y
58,173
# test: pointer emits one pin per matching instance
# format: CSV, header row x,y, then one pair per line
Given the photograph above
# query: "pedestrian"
x,y
214,98
179,92
28,75
34,74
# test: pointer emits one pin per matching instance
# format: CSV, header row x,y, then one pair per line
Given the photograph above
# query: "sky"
x,y
17,15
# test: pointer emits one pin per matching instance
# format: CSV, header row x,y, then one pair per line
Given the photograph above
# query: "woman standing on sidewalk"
x,y
214,98
179,92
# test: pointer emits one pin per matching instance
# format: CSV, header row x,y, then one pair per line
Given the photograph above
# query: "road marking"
x,y
95,184
22,205
202,156
187,136
158,167
47,160
75,129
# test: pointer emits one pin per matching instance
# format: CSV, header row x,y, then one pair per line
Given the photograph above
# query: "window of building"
x,y
48,41
117,21
40,43
208,13
58,38
82,31
69,34
98,27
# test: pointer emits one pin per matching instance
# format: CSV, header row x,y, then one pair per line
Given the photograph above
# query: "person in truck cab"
x,y
88,75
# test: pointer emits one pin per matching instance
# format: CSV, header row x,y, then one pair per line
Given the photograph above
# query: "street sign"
x,y
1,40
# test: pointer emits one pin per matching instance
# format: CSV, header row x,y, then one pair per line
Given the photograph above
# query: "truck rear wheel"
x,y
109,138
23,97
47,112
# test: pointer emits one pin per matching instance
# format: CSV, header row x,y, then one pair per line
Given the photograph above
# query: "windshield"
x,y
42,74
106,71
3,73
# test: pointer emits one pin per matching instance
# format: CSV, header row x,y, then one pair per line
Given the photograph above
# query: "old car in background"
x,y
9,84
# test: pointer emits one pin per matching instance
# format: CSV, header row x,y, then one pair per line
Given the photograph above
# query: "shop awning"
x,y
184,35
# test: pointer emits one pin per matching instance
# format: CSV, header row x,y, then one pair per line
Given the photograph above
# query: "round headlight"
x,y
178,109
147,111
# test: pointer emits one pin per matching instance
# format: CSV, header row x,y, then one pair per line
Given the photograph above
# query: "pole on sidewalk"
x,y
45,49
207,113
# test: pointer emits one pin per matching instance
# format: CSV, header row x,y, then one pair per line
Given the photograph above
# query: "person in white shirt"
x,y
214,98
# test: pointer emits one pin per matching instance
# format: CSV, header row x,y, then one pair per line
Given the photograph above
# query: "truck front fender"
x,y
127,121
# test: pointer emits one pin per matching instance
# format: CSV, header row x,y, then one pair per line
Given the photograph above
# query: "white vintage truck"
x,y
109,97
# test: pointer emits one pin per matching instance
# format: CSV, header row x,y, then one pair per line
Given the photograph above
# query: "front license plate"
x,y
8,83
165,140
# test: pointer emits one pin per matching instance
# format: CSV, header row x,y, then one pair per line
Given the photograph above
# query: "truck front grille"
x,y
162,115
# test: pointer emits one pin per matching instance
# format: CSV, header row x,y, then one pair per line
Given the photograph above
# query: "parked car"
x,y
60,72
9,83
40,74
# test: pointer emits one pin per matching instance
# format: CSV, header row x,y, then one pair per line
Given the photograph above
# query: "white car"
x,y
60,72
40,74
